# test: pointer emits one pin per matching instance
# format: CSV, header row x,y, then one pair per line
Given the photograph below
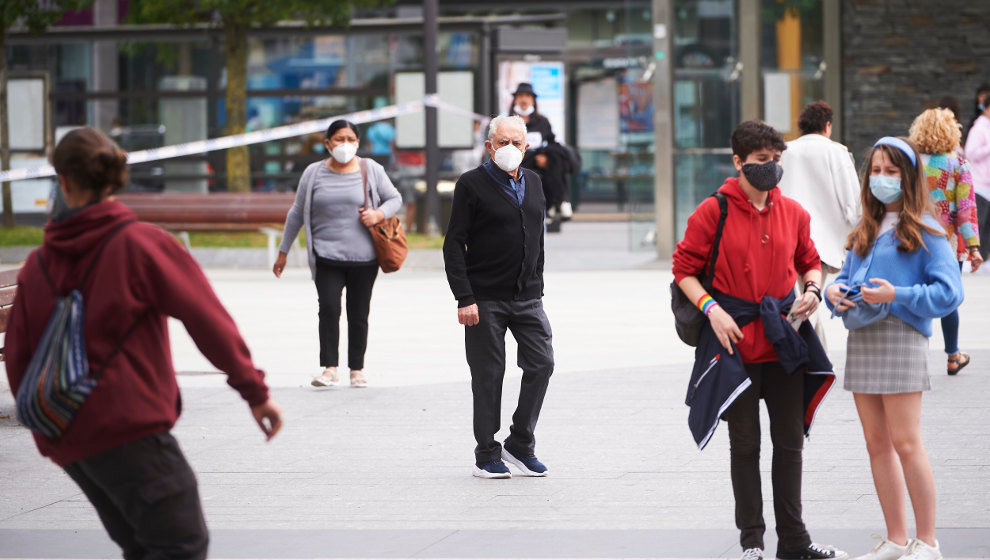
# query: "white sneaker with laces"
x,y
920,550
752,554
885,550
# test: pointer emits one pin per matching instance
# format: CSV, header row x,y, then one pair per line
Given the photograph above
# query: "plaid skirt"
x,y
889,356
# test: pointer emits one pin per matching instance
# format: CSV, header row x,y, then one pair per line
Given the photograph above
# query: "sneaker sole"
x,y
506,456
482,473
320,383
841,556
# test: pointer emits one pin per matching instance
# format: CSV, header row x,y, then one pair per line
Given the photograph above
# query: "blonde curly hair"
x,y
936,131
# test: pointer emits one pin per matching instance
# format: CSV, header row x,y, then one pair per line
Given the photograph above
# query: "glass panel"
x,y
602,27
698,175
706,77
706,100
298,62
792,57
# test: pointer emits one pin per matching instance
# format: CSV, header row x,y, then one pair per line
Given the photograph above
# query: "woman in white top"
x,y
978,154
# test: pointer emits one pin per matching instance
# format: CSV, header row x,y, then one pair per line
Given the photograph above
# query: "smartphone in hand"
x,y
794,321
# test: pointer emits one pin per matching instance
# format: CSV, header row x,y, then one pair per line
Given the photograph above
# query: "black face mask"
x,y
763,176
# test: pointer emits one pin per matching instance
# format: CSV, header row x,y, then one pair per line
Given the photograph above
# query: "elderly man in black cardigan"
x,y
493,255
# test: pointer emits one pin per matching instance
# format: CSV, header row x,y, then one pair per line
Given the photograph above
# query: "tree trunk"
x,y
238,159
8,203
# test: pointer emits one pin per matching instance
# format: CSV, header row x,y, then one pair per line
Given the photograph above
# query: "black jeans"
x,y
330,282
784,395
485,345
146,496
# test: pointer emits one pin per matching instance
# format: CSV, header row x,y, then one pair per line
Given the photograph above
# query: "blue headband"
x,y
900,145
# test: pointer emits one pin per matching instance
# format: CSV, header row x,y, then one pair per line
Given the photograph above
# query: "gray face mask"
x,y
58,208
763,176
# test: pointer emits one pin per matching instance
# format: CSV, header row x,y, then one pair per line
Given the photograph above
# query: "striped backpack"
x,y
57,381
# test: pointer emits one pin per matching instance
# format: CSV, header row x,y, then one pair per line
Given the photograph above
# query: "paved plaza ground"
x,y
386,472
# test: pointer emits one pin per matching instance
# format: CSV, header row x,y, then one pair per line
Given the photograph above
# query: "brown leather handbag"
x,y
388,236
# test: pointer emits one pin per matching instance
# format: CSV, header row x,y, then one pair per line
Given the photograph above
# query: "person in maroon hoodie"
x,y
766,244
118,448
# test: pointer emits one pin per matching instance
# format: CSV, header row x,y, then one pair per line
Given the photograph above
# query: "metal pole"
x,y
832,14
432,150
749,55
486,69
664,199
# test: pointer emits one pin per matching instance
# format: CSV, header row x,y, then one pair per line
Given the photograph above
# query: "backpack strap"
x,y
120,343
96,257
723,207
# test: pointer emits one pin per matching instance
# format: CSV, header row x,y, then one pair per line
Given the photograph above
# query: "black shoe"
x,y
812,552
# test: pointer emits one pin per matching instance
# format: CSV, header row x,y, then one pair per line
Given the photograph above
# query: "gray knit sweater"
x,y
327,205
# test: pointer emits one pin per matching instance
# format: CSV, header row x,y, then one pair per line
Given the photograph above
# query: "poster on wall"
x,y
598,115
26,111
636,108
548,83
777,100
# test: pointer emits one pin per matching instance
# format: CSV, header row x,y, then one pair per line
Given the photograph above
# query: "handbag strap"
x,y
364,181
723,207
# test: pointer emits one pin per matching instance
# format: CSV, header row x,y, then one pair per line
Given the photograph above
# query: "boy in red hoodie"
x,y
765,245
118,448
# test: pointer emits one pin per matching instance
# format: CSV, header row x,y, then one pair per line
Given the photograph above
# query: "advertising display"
x,y
548,82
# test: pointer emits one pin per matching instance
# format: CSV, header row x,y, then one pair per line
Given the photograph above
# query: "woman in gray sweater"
x,y
330,205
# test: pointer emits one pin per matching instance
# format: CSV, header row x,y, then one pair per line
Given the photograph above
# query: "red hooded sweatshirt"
x,y
141,269
761,254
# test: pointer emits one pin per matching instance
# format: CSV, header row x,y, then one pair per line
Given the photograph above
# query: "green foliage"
x,y
35,15
778,9
244,12
21,236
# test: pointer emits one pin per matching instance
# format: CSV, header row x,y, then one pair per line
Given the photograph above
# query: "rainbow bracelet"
x,y
706,303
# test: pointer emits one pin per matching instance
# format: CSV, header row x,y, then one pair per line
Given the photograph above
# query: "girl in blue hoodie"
x,y
899,274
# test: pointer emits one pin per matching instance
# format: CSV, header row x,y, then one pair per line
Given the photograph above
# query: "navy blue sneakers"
x,y
527,463
492,469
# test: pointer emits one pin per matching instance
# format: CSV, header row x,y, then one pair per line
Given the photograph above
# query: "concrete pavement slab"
x,y
385,472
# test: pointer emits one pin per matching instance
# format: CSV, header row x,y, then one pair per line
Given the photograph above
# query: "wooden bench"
x,y
8,288
184,212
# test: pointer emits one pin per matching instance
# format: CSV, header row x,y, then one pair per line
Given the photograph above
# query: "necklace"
x,y
764,237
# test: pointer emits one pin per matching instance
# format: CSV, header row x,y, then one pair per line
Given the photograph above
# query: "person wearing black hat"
x,y
545,156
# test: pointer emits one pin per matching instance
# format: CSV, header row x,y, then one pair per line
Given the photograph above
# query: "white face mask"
x,y
524,112
344,152
508,158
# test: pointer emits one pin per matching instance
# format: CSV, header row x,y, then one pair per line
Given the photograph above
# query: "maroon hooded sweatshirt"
x,y
142,269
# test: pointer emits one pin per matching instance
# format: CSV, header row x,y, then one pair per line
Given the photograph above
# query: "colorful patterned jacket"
x,y
951,187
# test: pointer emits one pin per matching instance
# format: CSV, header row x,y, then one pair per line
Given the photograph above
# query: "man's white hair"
x,y
493,126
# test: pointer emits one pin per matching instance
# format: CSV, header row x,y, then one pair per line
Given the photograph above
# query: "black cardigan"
x,y
494,247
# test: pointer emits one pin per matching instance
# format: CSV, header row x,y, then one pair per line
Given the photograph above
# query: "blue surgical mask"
x,y
886,189
981,107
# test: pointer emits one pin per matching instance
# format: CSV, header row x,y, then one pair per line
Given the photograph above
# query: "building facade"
x,y
647,91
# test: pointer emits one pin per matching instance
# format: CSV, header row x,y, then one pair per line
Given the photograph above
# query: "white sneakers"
x,y
914,550
752,554
920,550
885,550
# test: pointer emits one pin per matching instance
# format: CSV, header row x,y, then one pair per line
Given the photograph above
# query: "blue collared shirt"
x,y
515,189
